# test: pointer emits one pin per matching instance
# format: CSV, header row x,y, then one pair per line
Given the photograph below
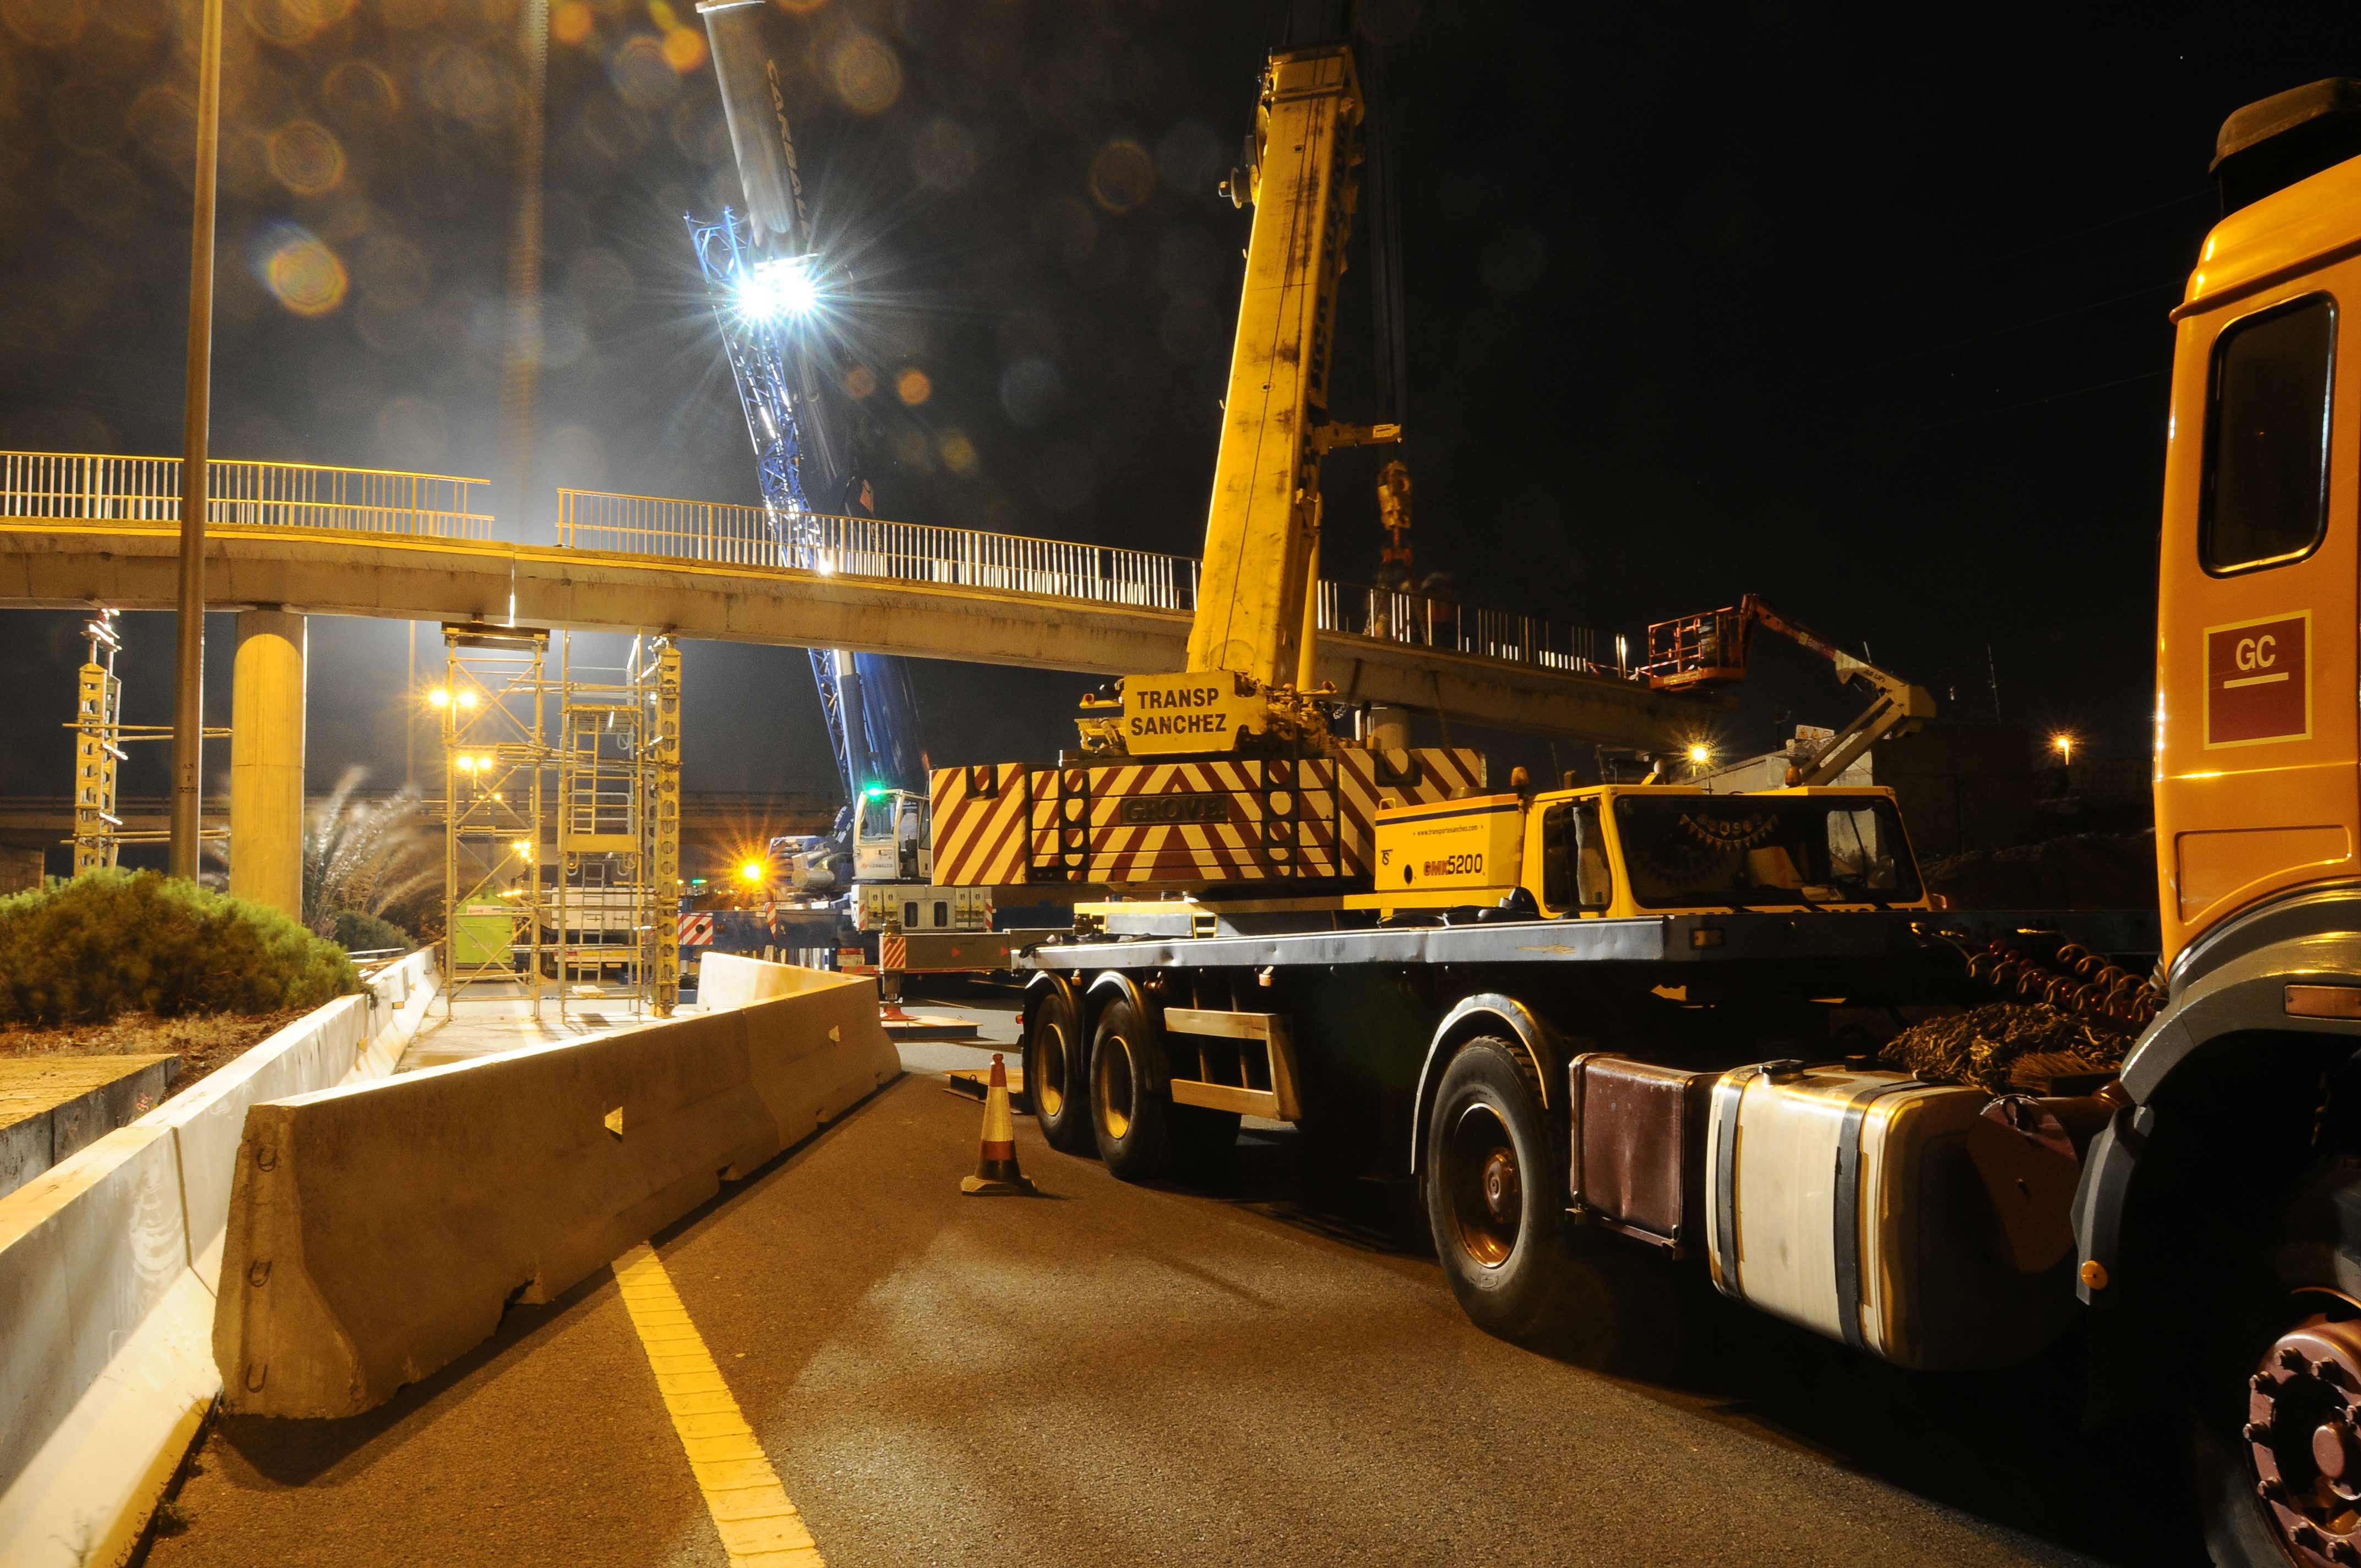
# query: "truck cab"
x,y
1620,852
2256,782
2218,1214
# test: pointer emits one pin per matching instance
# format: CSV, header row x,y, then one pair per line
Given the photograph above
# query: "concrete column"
x,y
266,762
1388,728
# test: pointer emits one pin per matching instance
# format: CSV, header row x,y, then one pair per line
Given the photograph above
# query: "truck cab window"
x,y
1573,858
2266,488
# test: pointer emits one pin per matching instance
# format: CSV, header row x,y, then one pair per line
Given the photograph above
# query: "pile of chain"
x,y
2006,1046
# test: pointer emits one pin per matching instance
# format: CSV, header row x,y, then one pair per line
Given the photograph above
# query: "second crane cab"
x,y
1635,851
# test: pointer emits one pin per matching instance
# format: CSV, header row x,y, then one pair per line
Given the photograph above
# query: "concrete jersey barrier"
x,y
520,1174
107,1266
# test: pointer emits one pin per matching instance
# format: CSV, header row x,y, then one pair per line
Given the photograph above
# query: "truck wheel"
x,y
1054,1078
2277,1442
1133,1122
1492,1171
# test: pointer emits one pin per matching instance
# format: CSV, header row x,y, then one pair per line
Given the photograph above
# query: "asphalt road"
x,y
1113,1374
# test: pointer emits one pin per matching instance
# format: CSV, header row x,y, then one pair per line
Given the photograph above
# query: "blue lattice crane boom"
x,y
761,274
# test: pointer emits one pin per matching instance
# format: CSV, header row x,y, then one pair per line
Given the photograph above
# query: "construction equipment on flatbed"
x,y
1617,1016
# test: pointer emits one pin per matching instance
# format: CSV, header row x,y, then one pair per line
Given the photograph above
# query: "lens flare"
x,y
867,73
913,388
306,159
1123,175
683,48
300,272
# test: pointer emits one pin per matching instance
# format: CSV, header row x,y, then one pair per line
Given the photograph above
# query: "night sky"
x,y
1818,301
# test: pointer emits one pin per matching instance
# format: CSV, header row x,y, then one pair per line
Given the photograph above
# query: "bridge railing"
x,y
735,535
1425,621
85,486
875,547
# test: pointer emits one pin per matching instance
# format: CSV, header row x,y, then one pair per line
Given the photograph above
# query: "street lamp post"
x,y
189,673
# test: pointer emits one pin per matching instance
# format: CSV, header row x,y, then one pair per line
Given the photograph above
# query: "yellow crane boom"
x,y
1251,644
1262,530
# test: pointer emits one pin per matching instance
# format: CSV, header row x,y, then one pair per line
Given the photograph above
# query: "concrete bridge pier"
x,y
265,761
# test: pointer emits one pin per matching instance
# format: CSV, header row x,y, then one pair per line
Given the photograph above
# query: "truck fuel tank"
x,y
1849,1202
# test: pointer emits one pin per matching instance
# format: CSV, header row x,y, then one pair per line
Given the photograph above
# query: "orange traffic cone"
x,y
995,1169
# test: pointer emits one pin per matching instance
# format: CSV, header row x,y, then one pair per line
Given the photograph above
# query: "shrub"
x,y
116,941
360,933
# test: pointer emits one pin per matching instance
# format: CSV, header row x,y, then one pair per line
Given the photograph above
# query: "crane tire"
x,y
1493,1172
1057,1081
1132,1120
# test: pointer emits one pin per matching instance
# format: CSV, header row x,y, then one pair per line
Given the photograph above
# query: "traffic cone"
x,y
995,1169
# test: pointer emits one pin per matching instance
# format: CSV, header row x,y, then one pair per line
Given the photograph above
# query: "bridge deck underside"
x,y
48,565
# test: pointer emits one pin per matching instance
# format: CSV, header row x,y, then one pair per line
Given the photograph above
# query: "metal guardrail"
x,y
874,548
82,486
736,535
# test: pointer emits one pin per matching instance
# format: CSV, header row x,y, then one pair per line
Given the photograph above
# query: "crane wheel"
x,y
1055,1080
1133,1122
1493,1184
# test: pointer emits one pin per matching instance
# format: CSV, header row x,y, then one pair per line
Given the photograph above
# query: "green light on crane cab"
x,y
875,792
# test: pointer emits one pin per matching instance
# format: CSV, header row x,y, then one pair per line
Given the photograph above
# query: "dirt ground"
x,y
203,1044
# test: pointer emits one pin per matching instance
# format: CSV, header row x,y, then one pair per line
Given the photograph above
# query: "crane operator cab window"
x,y
909,832
1574,873
1777,851
2265,500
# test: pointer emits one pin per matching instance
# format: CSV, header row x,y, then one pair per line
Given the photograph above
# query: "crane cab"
x,y
2256,790
1637,851
890,837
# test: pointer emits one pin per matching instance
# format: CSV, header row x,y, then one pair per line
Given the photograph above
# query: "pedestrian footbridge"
x,y
81,530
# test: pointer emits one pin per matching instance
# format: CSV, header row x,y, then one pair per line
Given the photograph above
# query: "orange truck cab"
x,y
2219,1213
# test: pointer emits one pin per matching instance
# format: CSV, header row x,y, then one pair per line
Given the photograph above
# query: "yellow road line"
x,y
759,1525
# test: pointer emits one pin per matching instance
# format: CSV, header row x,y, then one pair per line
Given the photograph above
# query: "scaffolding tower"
x,y
562,821
100,736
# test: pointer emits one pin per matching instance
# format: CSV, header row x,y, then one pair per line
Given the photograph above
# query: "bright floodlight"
x,y
753,871
1700,753
2064,746
783,288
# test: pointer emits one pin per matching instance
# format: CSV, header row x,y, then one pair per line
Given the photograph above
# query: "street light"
x,y
753,872
2063,744
188,672
1700,753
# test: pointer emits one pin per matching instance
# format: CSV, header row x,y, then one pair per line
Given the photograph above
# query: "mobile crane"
x,y
767,279
1620,1016
1226,776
